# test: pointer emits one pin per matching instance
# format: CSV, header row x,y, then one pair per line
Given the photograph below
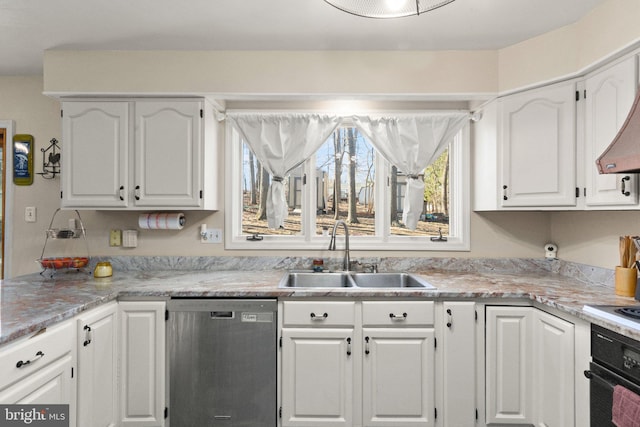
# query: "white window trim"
x,y
459,226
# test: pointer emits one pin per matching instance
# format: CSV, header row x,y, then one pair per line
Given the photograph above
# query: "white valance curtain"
x,y
411,143
282,142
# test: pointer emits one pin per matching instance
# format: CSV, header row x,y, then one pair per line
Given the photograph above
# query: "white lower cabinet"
x,y
142,363
553,381
529,368
344,369
398,377
460,374
98,367
317,377
40,369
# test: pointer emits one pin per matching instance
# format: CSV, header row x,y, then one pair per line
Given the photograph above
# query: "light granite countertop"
x,y
30,303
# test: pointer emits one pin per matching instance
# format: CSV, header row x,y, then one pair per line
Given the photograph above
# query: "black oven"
x,y
615,361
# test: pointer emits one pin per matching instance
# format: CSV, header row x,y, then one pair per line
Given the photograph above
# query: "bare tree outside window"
x,y
345,173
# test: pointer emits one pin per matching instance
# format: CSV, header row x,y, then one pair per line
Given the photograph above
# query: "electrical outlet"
x,y
129,238
30,214
212,235
115,238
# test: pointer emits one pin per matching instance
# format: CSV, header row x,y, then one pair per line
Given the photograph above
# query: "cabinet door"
x,y
52,384
609,97
554,373
538,141
97,367
94,163
317,377
509,363
168,153
142,363
398,379
459,363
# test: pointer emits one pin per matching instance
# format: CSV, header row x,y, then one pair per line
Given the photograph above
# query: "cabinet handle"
x,y
137,193
366,345
121,192
21,363
349,346
504,193
622,182
87,335
449,318
403,316
320,317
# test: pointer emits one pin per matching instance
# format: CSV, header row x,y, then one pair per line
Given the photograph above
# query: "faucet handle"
x,y
369,268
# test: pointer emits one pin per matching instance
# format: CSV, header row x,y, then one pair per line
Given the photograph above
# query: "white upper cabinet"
x,y
94,166
167,153
537,135
609,97
139,154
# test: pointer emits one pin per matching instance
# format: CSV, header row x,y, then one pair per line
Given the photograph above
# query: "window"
x,y
347,179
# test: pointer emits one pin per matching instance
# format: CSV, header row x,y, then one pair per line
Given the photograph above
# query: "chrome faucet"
x,y
346,264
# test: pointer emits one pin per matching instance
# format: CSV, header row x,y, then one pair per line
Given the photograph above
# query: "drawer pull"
x,y
403,316
625,192
366,345
87,337
450,318
349,346
319,317
20,363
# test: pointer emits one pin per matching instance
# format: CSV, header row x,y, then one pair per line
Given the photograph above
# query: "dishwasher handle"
x,y
221,314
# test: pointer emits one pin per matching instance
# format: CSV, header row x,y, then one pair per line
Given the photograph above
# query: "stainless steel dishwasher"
x,y
222,362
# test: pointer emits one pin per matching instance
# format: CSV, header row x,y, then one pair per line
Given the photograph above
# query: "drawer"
x,y
35,353
319,313
397,313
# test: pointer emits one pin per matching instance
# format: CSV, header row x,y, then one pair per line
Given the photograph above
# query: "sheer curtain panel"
x,y
282,142
411,143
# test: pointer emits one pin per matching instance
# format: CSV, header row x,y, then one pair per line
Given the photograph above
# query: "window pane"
x,y
345,175
255,184
435,213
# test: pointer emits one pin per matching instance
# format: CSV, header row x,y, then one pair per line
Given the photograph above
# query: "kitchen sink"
x,y
316,280
351,280
389,280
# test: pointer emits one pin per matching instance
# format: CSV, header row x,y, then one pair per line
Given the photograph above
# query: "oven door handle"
x,y
592,375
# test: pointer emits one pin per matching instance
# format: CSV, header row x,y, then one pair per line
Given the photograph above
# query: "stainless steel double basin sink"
x,y
343,279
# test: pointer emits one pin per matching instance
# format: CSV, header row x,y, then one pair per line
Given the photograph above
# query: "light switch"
x,y
30,214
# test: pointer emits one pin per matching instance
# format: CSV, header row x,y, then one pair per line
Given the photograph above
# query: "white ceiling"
x,y
28,27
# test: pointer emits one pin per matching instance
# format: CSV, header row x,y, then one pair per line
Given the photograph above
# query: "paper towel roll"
x,y
161,221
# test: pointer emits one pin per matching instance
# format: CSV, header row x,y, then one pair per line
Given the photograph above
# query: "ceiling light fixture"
x,y
387,8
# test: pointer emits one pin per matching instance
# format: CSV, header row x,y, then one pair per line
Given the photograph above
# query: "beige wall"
x,y
21,100
610,27
592,237
267,73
